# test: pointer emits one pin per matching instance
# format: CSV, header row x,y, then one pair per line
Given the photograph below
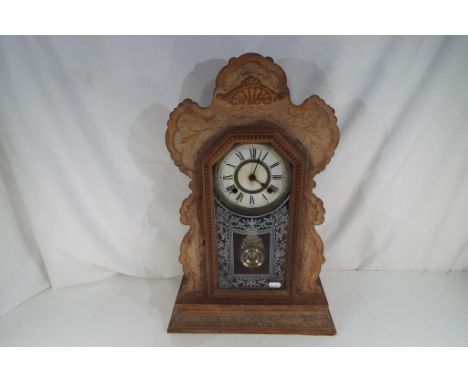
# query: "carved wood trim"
x,y
297,315
252,89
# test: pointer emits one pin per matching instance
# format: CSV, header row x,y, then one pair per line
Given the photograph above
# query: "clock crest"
x,y
252,257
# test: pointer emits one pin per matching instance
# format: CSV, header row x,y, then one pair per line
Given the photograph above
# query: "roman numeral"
x,y
274,165
273,188
231,165
253,152
265,155
239,155
277,176
239,197
229,177
264,197
231,188
252,200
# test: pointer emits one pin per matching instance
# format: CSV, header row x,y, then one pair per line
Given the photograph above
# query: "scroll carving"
x,y
252,89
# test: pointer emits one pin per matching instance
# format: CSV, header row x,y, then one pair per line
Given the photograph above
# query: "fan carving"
x,y
251,91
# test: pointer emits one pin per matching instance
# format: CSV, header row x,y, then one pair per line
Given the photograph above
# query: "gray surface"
x,y
369,308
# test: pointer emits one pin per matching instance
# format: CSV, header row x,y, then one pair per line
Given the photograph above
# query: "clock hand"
x,y
255,169
262,184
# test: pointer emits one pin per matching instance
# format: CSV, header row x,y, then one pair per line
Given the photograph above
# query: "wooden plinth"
x,y
298,315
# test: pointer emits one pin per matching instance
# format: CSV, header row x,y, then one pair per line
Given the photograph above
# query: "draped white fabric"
x,y
87,188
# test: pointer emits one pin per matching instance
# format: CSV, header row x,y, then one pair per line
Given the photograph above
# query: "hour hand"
x,y
262,184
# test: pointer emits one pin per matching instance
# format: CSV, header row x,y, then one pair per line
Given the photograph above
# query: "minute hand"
x,y
255,169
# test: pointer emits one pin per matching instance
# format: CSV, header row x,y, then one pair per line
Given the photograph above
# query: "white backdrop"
x,y
87,189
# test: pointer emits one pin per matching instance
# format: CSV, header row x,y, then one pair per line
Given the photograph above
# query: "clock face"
x,y
252,178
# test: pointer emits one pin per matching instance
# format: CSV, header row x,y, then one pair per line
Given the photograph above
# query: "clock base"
x,y
297,315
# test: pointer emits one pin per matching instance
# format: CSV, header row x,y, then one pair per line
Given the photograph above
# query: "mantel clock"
x,y
252,257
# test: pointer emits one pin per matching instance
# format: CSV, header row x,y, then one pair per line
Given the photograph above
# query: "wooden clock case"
x,y
251,104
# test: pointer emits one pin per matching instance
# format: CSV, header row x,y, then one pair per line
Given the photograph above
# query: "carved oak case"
x,y
252,257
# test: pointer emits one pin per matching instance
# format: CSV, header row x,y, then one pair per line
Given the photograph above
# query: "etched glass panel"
x,y
251,251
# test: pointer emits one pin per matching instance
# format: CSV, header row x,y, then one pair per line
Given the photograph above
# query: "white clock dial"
x,y
252,178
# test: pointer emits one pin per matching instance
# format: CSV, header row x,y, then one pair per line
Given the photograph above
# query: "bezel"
x,y
251,211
